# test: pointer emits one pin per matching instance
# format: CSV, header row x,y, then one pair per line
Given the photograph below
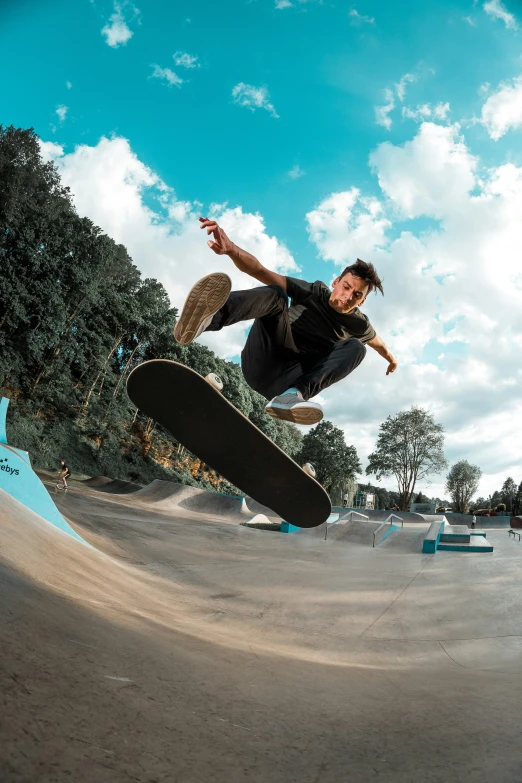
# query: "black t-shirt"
x,y
316,326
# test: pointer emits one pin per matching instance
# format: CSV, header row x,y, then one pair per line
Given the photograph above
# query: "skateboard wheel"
x,y
214,381
309,469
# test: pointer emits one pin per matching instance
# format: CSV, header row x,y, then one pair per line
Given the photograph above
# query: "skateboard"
x,y
193,410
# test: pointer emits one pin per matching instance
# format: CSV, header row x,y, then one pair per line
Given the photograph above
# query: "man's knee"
x,y
353,348
279,292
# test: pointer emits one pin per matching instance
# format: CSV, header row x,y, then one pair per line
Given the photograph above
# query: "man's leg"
x,y
345,357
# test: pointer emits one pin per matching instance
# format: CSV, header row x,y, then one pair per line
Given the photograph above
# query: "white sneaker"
x,y
205,298
290,406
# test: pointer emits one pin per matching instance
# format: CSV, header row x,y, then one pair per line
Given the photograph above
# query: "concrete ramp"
x,y
119,487
355,532
219,505
18,479
97,481
258,508
164,494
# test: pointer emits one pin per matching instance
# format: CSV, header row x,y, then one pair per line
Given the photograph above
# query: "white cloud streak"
x,y
253,98
165,74
497,10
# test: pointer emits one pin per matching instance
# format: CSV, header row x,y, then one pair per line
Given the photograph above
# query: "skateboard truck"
x,y
214,381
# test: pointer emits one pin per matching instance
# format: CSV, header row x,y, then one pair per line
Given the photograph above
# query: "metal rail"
x,y
390,520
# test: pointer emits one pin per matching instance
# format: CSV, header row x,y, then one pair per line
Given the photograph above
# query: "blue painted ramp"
x,y
19,480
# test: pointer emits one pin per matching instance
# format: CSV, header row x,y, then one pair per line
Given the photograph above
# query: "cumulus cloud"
x,y
497,10
128,200
185,60
280,4
253,98
166,75
117,32
503,109
68,85
444,291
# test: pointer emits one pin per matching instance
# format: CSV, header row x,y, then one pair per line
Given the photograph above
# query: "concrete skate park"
x,y
163,640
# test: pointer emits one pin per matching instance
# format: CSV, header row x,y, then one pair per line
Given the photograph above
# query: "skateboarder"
x,y
293,351
64,473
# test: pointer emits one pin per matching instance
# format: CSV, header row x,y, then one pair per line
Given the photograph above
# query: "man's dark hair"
x,y
367,273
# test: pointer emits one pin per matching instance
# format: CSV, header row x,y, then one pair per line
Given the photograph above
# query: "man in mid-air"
x,y
293,351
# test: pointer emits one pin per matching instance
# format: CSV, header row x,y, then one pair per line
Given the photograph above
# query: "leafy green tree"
x,y
517,501
409,447
325,447
462,483
509,491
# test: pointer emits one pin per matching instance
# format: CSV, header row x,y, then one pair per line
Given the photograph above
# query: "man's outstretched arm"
x,y
382,349
244,261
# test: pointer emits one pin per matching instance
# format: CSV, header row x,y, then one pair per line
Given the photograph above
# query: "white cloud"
x,y
167,75
382,112
358,18
470,21
50,150
185,60
345,225
111,186
503,110
453,287
280,4
400,87
68,85
425,111
117,31
296,172
253,98
497,10
61,111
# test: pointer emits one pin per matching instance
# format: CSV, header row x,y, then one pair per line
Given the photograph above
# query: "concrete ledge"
x,y
431,541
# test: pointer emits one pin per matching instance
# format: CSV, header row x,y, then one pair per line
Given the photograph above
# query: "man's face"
x,y
348,292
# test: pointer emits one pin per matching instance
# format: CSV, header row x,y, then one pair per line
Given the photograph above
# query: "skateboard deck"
x,y
208,425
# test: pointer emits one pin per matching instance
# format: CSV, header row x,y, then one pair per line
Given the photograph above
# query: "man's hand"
x,y
392,366
244,261
221,244
378,345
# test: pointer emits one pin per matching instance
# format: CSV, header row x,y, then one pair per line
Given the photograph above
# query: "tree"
x,y
509,490
462,482
409,447
517,502
335,462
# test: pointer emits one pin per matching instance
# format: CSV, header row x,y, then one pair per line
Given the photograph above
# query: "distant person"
x,y
345,499
294,349
64,473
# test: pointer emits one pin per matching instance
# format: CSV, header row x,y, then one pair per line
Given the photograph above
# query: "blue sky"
x,y
320,131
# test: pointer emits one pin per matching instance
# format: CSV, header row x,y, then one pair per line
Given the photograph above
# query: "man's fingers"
x,y
214,246
206,222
